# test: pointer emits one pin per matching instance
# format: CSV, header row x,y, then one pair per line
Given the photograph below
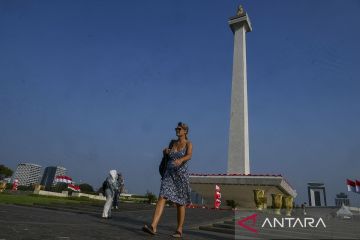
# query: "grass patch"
x,y
28,198
31,199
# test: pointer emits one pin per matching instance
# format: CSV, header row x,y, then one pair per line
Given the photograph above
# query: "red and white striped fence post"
x,y
217,201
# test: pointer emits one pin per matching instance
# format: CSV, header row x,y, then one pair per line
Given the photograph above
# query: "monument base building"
x,y
240,188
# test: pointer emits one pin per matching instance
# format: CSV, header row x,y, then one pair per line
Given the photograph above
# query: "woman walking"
x,y
175,181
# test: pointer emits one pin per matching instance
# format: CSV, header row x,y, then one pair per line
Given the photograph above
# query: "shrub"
x,y
138,196
231,203
59,187
25,188
100,190
151,197
86,188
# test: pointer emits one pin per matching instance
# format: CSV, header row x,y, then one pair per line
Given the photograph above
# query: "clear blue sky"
x,y
93,86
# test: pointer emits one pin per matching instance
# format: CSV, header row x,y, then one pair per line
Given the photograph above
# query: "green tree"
x,y
7,172
86,188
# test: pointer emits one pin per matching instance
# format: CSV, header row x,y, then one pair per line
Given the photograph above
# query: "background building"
x,y
317,194
48,178
341,199
27,174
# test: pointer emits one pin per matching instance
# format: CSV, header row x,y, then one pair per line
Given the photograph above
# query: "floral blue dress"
x,y
175,183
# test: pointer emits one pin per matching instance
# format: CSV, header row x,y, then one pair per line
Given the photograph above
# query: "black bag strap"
x,y
171,144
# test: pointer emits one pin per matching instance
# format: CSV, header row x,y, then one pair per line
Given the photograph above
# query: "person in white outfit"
x,y
110,188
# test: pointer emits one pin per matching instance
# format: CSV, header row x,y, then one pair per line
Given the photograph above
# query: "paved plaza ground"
x,y
65,221
70,222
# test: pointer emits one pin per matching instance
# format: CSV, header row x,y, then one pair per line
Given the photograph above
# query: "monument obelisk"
x,y
247,190
238,155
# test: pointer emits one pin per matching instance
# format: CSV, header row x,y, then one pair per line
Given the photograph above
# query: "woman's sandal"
x,y
177,234
149,229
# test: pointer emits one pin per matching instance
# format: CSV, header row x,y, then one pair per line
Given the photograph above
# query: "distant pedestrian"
x,y
118,191
303,206
109,187
175,180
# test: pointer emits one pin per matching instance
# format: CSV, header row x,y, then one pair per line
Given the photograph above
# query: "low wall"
x,y
97,197
354,209
125,195
74,194
47,193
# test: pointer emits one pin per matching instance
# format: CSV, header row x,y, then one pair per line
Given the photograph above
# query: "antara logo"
x,y
253,219
282,223
293,222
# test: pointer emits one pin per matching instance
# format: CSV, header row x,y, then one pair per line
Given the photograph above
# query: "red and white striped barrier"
x,y
217,201
15,185
74,187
